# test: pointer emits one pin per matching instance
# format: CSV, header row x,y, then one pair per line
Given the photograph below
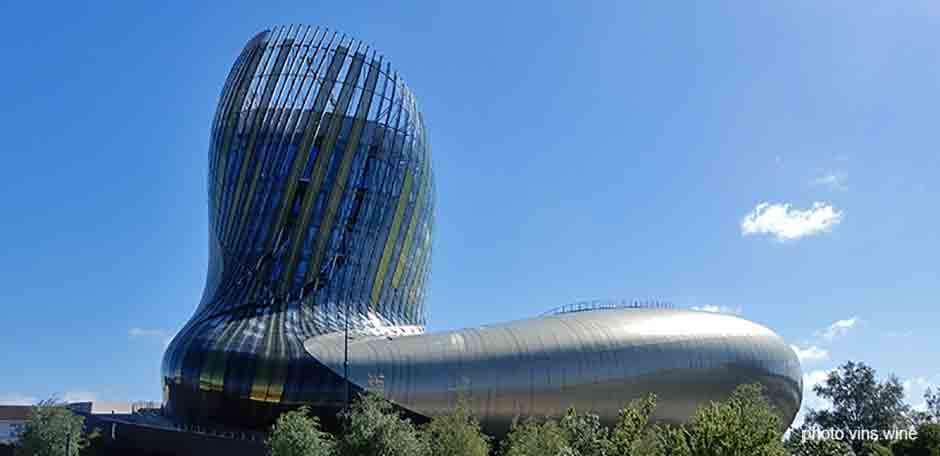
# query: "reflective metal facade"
x,y
595,361
321,196
321,199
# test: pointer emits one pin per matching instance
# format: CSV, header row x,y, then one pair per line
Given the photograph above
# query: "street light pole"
x,y
346,357
68,439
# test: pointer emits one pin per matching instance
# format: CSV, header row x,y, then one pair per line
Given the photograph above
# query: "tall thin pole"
x,y
346,358
68,440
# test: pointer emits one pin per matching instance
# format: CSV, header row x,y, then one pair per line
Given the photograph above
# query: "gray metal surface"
x,y
594,361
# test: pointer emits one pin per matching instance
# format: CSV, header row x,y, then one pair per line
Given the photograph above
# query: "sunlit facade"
x,y
321,210
321,197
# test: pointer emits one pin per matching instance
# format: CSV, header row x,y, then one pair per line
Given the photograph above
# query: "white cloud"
x,y
787,224
165,336
901,334
719,309
79,396
838,329
813,353
914,389
810,400
141,332
833,180
16,399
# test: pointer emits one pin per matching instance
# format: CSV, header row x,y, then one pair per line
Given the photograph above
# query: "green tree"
x,y
371,427
933,404
630,434
456,434
534,438
859,401
743,425
875,449
53,430
586,435
297,433
927,442
662,440
800,446
635,434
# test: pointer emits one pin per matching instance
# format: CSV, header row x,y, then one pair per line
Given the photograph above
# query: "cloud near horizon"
x,y
68,397
838,329
16,399
163,335
79,396
719,309
832,180
812,353
810,400
788,224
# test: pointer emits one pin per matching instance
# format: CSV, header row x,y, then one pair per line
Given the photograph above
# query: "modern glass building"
x,y
321,200
321,211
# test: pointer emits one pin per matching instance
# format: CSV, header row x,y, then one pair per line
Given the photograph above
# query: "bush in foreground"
x,y
297,433
533,437
456,434
51,430
743,425
586,435
371,427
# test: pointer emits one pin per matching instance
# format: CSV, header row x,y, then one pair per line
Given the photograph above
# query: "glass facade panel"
x,y
312,211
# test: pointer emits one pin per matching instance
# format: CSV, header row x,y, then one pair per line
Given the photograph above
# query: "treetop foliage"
x,y
860,402
745,424
372,427
456,434
297,433
51,430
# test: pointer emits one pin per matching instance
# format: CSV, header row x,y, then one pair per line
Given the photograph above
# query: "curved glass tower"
x,y
321,212
321,199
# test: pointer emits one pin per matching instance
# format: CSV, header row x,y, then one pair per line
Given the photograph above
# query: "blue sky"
x,y
779,160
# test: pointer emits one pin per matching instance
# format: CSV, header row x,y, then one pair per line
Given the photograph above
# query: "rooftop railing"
x,y
608,304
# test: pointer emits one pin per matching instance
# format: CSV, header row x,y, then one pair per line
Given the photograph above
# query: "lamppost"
x,y
346,357
68,438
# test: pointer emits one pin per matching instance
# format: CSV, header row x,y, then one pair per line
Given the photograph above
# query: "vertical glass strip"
x,y
392,238
320,166
303,150
339,187
259,114
231,122
404,258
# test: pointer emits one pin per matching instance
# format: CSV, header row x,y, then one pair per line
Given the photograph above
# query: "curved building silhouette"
x,y
321,213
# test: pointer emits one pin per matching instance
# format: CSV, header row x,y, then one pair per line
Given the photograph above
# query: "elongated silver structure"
x,y
321,215
593,360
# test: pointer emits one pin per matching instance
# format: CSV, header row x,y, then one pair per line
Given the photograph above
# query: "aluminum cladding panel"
x,y
594,361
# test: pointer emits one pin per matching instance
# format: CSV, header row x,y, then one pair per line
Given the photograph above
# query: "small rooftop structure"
x,y
606,304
